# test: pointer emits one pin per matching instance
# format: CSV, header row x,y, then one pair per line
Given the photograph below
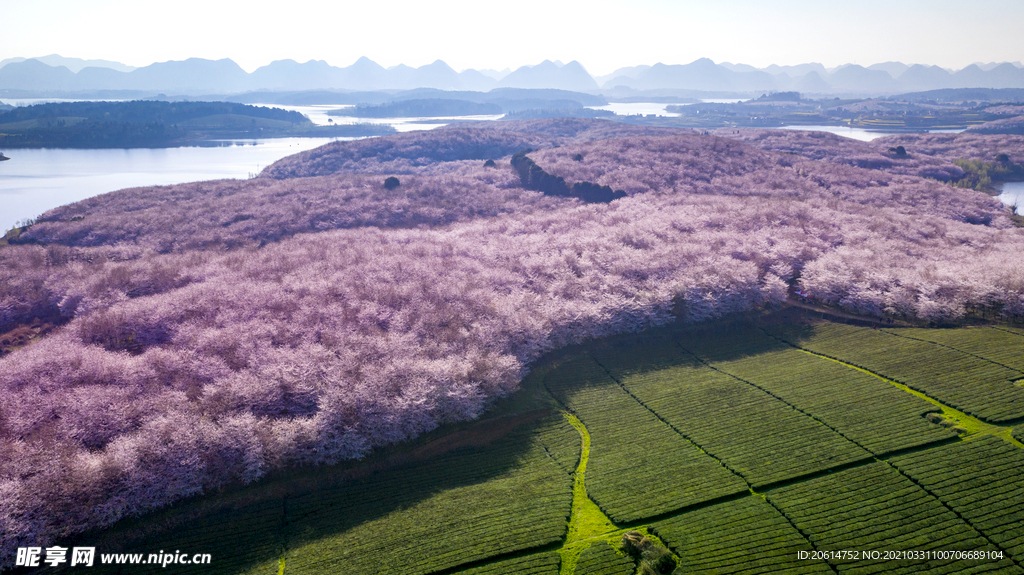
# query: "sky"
x,y
603,35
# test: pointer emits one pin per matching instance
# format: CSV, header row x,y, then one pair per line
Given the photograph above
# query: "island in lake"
x,y
157,124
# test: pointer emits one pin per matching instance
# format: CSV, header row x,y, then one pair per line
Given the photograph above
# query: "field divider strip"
x,y
550,547
688,508
816,474
974,355
807,537
918,448
722,499
1007,331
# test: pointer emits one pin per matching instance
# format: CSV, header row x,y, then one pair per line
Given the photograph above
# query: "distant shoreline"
x,y
157,124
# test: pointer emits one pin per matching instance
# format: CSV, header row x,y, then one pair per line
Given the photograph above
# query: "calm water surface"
x,y
857,133
1012,194
634,108
34,181
648,108
318,115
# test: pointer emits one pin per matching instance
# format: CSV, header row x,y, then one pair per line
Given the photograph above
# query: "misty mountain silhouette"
x,y
197,76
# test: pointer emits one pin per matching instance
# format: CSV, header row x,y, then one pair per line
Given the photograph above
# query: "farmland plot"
x,y
875,508
639,466
456,508
982,481
995,345
538,564
860,406
246,538
745,535
601,559
404,522
973,385
754,434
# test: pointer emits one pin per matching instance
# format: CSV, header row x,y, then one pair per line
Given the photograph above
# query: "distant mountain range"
x,y
51,75
879,79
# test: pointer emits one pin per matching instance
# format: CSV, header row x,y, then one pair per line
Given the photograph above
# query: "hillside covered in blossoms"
x,y
205,334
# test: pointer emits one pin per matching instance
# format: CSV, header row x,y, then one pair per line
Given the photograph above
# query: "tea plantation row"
x,y
737,447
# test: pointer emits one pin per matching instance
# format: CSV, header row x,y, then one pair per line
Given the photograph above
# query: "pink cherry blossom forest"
x,y
211,332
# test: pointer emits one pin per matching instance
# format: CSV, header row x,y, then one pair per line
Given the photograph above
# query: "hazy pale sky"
x,y
601,34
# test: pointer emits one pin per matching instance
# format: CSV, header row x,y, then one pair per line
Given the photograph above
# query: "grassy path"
x,y
588,525
587,522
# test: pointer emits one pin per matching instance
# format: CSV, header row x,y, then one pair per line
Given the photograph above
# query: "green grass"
x,y
639,466
587,522
981,481
973,385
745,535
755,434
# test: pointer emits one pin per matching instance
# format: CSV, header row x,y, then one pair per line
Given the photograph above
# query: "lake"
x,y
649,108
35,180
859,133
318,115
1012,194
634,108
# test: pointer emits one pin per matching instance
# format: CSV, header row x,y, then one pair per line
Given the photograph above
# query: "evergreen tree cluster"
x,y
146,111
533,177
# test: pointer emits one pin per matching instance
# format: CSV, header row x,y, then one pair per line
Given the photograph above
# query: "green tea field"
x,y
771,446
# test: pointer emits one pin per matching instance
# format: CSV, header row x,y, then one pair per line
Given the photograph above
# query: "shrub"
x,y
490,164
652,557
391,183
632,543
533,177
